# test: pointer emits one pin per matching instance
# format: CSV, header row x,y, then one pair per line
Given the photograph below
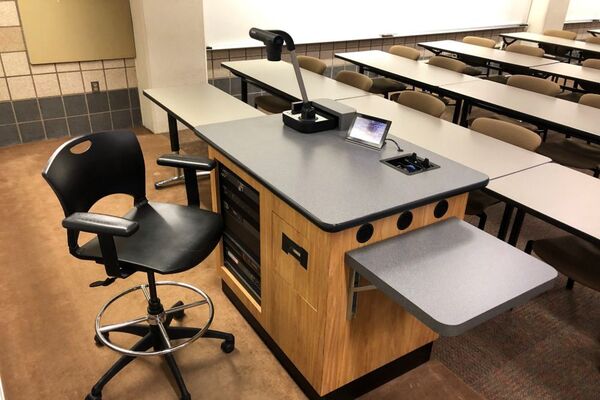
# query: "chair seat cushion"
x,y
386,85
572,154
478,202
473,71
574,257
171,238
272,104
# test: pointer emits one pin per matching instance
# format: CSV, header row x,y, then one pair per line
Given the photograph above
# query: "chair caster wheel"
x,y
228,346
97,340
179,315
90,396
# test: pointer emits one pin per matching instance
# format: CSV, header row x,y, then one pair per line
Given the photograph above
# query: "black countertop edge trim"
x,y
260,84
527,117
351,390
544,217
332,228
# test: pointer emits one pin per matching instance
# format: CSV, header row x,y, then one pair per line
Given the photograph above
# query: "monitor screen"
x,y
369,131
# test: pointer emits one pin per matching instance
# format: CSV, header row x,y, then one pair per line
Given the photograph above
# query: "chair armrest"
x,y
100,224
187,161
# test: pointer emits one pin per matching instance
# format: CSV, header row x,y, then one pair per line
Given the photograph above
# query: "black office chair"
x,y
152,238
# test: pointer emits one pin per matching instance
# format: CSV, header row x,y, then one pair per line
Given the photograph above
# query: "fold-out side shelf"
x,y
450,275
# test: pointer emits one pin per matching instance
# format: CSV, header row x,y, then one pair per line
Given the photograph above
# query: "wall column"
x,y
547,14
170,47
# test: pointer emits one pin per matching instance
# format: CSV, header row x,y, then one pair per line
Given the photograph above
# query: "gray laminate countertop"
x,y
451,275
334,183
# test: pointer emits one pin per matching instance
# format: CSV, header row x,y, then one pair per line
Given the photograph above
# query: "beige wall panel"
x,y
77,30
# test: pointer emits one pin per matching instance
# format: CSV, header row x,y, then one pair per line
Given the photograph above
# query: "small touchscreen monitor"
x,y
368,131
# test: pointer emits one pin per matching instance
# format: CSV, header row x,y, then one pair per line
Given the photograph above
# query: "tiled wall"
x,y
54,100
582,28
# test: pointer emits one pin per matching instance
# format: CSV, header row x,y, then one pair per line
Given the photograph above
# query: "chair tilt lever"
x,y
106,282
353,289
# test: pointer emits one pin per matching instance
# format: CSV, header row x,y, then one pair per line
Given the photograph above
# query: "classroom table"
x,y
278,77
420,74
559,195
594,32
561,115
509,38
501,57
493,157
194,105
574,72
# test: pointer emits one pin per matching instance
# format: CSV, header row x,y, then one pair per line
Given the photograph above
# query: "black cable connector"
x,y
396,143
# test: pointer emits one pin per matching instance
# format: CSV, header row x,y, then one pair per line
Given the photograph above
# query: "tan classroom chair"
x,y
355,79
574,257
507,132
480,41
575,153
553,49
561,34
422,102
406,52
534,84
385,86
525,49
474,65
447,63
521,49
593,39
274,104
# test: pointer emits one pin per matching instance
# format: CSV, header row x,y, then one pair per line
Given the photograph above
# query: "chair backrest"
x,y
593,39
524,49
507,132
539,85
592,63
113,163
479,41
590,99
405,51
355,79
561,34
422,102
448,63
312,64
87,168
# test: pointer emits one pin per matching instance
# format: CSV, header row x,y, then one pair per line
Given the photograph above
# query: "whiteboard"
x,y
227,22
583,10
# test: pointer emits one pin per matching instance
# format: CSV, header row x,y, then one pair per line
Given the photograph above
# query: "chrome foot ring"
x,y
154,320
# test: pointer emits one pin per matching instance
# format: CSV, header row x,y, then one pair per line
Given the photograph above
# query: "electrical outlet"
x,y
95,86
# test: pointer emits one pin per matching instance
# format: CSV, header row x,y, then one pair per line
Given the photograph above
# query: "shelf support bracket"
x,y
353,289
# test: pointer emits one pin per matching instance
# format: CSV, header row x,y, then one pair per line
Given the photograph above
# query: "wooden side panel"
x,y
304,310
381,331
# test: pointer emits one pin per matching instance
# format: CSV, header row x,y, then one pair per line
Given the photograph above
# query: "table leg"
x,y
505,222
361,69
464,112
244,90
516,228
174,138
457,108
